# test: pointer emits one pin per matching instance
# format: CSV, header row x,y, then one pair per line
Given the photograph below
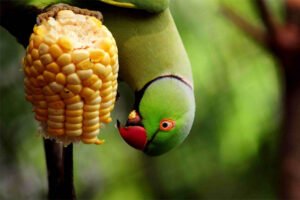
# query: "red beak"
x,y
135,136
134,133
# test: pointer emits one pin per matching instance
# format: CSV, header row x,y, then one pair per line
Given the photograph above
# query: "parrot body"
x,y
154,63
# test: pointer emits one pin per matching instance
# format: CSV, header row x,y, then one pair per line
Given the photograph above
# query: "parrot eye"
x,y
166,124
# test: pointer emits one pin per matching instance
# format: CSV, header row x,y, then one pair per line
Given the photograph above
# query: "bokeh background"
x,y
232,150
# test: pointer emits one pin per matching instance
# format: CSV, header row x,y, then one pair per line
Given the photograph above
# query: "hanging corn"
x,y
71,69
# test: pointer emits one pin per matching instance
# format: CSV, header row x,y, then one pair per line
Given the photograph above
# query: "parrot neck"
x,y
139,93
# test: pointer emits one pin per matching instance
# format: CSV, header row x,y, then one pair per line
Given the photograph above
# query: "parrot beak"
x,y
134,132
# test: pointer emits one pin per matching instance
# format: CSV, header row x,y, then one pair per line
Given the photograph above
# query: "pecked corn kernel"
x,y
71,69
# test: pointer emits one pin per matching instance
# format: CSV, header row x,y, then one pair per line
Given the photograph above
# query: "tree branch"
x,y
255,32
266,16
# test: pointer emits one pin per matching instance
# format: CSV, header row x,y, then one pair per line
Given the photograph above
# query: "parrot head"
x,y
163,115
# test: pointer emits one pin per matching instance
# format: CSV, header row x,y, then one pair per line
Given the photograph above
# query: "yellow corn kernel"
x,y
106,91
46,59
73,79
93,140
64,59
43,48
89,129
74,88
113,50
104,117
93,96
74,120
37,90
91,122
109,77
106,59
40,118
33,82
104,111
49,76
106,120
106,85
104,44
90,115
37,40
49,39
106,104
91,134
30,46
77,132
75,106
39,30
87,107
33,72
61,78
96,55
38,97
55,111
66,94
57,104
35,54
29,59
107,98
100,70
94,101
90,81
27,71
41,112
73,99
55,51
42,104
65,43
80,55
84,74
55,132
56,87
38,66
70,126
69,69
85,64
57,118
55,125
74,113
52,98
86,92
97,85
48,91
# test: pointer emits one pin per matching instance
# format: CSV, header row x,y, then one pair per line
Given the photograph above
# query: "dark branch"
x,y
59,162
266,16
255,32
293,11
69,191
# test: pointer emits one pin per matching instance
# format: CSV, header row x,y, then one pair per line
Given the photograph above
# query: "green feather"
x,y
149,5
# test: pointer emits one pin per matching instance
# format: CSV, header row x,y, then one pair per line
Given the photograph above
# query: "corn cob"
x,y
71,69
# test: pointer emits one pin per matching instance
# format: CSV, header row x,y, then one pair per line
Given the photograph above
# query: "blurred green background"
x,y
232,150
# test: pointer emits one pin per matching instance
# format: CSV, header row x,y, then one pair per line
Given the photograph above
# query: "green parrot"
x,y
153,62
